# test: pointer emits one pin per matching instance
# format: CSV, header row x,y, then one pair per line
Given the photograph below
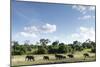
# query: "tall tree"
x,y
44,42
55,43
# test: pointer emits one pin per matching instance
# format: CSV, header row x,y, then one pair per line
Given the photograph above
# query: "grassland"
x,y
78,57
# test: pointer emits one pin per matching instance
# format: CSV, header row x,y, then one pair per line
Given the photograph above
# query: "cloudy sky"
x,y
66,23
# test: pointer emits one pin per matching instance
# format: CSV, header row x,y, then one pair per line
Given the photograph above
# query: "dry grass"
x,y
78,57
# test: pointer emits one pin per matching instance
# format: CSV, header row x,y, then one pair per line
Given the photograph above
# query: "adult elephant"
x,y
86,55
70,55
46,57
60,56
29,58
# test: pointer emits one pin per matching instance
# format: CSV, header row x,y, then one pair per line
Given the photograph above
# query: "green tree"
x,y
44,42
55,43
52,49
62,48
87,44
42,50
77,46
93,49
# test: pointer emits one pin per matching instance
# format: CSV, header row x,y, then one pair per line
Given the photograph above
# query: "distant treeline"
x,y
54,48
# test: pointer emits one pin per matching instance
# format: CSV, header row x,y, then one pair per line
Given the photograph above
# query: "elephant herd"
x,y
57,56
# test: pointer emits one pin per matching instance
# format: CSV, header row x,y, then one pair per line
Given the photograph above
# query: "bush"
x,y
42,50
93,50
17,53
62,49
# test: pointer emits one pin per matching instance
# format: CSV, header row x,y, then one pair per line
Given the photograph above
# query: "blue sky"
x,y
66,23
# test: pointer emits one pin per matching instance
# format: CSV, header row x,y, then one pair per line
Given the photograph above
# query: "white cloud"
x,y
83,9
84,34
34,31
86,11
86,17
80,8
26,34
31,29
75,35
48,28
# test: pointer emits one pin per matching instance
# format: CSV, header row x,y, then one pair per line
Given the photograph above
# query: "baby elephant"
x,y
70,55
29,58
46,57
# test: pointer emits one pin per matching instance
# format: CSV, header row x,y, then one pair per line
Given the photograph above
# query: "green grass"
x,y
78,57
